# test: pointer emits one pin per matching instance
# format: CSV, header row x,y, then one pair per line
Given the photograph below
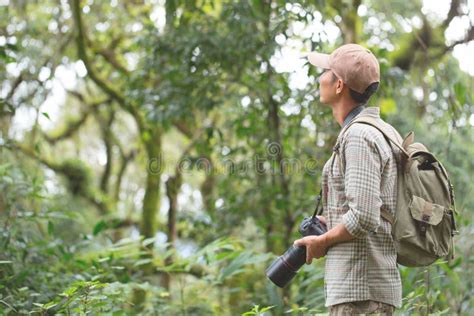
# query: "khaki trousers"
x,y
361,308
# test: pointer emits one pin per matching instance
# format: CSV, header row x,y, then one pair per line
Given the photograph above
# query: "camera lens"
x,y
284,268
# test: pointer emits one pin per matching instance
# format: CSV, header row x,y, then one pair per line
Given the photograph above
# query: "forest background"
x,y
156,156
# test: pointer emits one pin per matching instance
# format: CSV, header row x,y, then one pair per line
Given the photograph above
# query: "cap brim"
x,y
319,60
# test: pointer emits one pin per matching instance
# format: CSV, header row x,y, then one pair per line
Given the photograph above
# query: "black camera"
x,y
284,268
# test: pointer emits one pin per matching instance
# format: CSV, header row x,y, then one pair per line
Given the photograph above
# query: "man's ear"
x,y
339,86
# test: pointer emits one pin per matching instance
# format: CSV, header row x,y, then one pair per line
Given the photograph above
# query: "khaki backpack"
x,y
423,226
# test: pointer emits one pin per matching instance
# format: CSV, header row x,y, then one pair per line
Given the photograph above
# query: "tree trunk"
x,y
207,187
274,123
107,138
173,185
152,190
350,21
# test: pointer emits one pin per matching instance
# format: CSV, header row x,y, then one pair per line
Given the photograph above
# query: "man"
x,y
361,275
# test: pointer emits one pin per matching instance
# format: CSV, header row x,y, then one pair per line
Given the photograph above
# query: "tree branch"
x,y
110,57
469,37
107,136
81,50
454,10
185,128
125,160
22,77
73,125
15,85
82,53
77,175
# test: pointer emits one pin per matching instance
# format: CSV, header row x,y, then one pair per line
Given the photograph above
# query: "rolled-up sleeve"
x,y
364,162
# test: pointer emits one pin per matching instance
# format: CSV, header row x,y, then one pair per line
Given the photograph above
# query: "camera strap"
x,y
318,210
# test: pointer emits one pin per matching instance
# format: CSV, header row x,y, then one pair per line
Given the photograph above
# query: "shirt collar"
x,y
352,114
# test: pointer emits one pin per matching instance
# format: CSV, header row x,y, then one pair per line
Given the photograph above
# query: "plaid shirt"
x,y
364,268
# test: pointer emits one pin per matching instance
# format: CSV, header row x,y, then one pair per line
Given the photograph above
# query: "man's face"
x,y
327,87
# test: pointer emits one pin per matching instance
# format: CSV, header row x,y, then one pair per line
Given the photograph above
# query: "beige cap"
x,y
352,63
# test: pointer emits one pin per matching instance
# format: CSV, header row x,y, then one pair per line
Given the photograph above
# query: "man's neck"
x,y
341,109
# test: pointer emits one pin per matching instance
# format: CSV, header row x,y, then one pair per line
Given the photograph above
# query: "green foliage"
x,y
90,281
256,310
77,174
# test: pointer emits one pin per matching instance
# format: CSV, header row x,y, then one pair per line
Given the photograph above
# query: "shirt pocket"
x,y
336,198
336,192
335,181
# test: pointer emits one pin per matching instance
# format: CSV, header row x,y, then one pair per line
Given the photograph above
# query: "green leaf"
x,y
49,305
50,228
70,291
266,308
46,115
146,136
12,47
104,259
460,91
142,262
5,261
237,265
37,148
100,226
148,241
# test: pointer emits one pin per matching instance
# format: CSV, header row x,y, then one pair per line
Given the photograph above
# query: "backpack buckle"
x,y
454,230
423,229
424,224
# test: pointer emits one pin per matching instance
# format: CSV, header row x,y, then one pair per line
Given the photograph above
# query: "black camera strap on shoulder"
x,y
318,210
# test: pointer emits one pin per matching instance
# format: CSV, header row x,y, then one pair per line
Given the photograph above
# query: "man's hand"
x,y
322,219
316,246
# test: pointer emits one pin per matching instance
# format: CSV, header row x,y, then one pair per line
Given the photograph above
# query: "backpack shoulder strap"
x,y
392,136
378,125
387,215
